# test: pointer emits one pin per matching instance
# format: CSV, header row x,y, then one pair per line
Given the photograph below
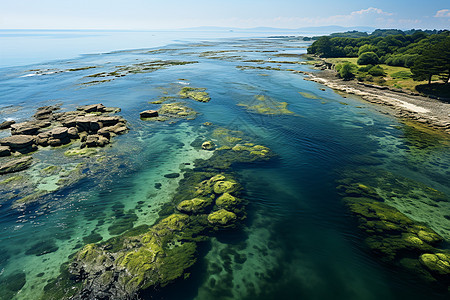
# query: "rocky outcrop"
x,y
92,124
45,112
16,165
19,143
148,114
5,151
29,127
6,124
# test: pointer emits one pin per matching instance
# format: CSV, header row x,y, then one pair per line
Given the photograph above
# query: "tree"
x,y
346,70
424,68
321,47
443,52
433,61
366,48
368,58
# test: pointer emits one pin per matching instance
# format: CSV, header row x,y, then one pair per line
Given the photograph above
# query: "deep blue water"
x,y
299,241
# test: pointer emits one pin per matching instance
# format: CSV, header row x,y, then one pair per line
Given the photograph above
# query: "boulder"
x,y
222,217
227,201
5,151
72,133
148,114
29,127
110,121
92,108
42,139
208,145
195,205
59,133
18,142
45,112
55,142
105,131
91,140
85,123
6,124
102,141
16,165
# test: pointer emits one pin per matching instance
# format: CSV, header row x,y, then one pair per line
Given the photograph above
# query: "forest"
x,y
425,53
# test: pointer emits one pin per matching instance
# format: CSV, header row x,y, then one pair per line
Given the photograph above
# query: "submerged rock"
x,y
208,145
395,237
42,248
195,205
438,263
16,165
222,217
11,284
227,201
197,94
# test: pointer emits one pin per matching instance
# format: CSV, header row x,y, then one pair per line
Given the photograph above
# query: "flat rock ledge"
x,y
92,124
16,165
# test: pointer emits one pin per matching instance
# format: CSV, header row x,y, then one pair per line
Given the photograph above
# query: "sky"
x,y
174,14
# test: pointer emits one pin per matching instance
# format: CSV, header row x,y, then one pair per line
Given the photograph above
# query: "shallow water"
x,y
299,241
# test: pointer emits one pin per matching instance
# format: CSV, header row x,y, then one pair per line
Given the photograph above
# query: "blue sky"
x,y
172,14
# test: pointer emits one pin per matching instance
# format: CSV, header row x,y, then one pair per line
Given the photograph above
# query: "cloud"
x,y
370,10
443,13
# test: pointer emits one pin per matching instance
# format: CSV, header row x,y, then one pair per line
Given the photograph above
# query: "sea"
x,y
299,241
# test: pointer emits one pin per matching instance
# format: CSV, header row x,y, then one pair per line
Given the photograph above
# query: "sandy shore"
x,y
421,109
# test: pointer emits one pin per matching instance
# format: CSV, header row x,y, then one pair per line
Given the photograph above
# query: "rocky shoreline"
x,y
92,124
428,111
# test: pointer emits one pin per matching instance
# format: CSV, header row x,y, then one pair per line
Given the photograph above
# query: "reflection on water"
x,y
299,240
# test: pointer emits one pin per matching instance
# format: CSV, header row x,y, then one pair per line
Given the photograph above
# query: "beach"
x,y
401,104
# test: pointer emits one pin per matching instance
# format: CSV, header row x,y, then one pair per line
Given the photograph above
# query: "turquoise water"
x,y
299,241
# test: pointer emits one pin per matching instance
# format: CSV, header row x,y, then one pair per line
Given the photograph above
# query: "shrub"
x,y
346,70
368,58
401,60
365,68
376,71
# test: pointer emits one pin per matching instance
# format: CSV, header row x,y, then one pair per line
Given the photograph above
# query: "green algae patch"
x,y
265,105
392,235
309,95
195,205
12,179
437,263
227,137
421,137
222,217
196,94
162,99
227,201
81,152
174,111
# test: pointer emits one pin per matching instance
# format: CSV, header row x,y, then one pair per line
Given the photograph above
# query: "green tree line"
x,y
427,53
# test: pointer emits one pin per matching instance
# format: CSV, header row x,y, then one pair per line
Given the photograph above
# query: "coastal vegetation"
x,y
390,57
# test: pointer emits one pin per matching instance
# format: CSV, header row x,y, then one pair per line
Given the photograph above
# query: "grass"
x,y
397,77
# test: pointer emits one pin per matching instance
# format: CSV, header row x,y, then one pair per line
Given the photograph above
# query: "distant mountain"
x,y
302,30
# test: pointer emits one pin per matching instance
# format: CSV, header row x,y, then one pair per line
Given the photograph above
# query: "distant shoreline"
x,y
424,110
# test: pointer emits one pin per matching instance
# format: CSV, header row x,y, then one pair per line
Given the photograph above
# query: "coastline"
x,y
428,111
